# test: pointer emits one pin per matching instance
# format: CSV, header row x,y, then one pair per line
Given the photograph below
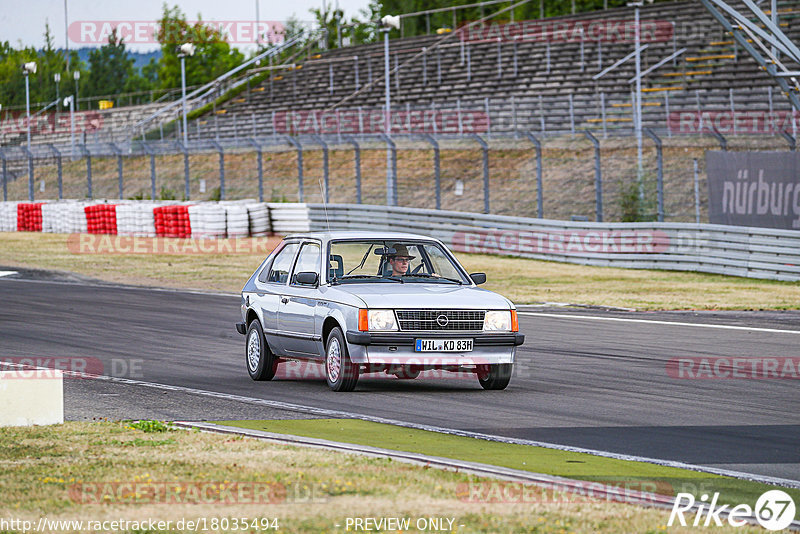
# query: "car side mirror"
x,y
478,278
307,278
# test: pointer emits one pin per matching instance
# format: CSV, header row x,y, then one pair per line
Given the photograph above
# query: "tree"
x,y
213,55
528,11
110,68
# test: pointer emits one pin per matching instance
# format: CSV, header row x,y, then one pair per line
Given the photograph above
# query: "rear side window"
x,y
279,273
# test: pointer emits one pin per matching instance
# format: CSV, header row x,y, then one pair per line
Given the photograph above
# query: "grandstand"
x,y
479,85
525,85
493,85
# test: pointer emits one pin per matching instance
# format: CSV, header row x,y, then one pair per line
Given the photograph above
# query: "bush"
x,y
150,426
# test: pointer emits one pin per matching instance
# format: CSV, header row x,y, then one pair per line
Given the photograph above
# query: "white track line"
x,y
670,323
336,414
109,285
7,273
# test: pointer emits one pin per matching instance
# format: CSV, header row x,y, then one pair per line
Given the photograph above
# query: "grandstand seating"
x,y
514,76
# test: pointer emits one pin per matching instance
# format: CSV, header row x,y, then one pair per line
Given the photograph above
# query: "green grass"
x,y
55,472
554,462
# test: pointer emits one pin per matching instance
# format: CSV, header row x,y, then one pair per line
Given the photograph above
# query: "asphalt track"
x,y
583,378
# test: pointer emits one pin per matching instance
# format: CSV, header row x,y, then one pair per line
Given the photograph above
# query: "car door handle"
x,y
260,294
284,300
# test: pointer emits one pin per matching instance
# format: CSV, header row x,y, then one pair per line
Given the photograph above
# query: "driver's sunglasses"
x,y
405,260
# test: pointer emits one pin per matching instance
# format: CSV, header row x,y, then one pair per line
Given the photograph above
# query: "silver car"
x,y
375,302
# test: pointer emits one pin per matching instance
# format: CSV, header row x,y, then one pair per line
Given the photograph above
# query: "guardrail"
x,y
708,248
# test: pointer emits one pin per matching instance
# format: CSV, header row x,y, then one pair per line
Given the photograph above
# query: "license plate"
x,y
443,345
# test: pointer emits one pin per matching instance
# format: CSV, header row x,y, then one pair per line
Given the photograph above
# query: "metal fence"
x,y
579,177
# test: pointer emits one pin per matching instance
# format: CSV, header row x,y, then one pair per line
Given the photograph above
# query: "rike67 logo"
x,y
774,510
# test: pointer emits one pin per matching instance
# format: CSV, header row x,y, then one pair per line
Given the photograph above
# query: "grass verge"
x,y
106,471
581,466
522,280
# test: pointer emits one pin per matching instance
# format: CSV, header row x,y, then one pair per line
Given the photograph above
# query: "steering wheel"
x,y
418,268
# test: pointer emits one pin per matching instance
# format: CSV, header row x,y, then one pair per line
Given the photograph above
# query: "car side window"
x,y
307,261
265,266
279,273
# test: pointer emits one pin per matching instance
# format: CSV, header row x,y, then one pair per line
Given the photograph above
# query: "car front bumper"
x,y
398,349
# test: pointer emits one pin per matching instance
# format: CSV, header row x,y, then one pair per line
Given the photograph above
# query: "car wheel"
x,y
409,372
340,373
261,363
495,376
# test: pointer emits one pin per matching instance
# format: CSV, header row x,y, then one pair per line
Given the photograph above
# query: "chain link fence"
x,y
473,173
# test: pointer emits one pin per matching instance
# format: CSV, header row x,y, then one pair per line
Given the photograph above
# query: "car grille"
x,y
420,320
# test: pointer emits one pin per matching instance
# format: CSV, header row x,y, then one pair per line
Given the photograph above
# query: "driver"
x,y
400,260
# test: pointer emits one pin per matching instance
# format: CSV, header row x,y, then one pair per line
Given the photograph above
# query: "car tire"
x,y
494,377
260,361
340,373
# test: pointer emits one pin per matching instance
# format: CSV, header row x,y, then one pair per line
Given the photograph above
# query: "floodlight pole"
x,y
387,118
57,79
27,108
28,121
638,121
72,125
386,95
183,97
76,76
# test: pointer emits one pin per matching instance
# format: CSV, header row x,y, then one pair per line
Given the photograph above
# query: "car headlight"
x,y
377,320
497,321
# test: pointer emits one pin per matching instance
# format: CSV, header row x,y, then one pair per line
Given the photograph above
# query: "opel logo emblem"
x,y
442,320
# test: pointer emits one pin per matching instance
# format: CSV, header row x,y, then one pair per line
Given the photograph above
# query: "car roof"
x,y
356,234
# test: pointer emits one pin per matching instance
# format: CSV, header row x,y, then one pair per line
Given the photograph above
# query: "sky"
x,y
24,21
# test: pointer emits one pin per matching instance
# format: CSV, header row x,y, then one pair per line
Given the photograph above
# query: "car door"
x,y
297,310
270,286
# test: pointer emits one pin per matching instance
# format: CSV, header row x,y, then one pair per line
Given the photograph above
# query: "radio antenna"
x,y
324,204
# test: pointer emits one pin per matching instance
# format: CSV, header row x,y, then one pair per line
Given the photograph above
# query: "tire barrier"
x,y
8,216
136,219
29,217
203,220
208,221
237,218
172,221
64,217
101,219
259,219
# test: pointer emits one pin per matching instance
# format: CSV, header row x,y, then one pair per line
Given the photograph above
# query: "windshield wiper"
x,y
369,277
363,260
426,275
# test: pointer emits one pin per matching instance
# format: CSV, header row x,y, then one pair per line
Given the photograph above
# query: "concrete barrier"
x,y
31,397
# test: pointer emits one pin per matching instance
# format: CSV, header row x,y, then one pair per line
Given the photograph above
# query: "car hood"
x,y
426,295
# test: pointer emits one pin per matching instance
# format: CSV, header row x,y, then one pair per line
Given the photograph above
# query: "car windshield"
x,y
376,261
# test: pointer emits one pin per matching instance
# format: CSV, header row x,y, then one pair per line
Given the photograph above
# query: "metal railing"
x,y
213,89
555,177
